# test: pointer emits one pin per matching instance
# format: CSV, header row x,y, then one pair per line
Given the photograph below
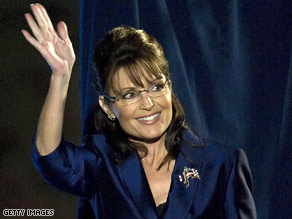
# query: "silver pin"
x,y
190,173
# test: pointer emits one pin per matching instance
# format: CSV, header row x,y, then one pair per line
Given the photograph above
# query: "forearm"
x,y
57,49
50,125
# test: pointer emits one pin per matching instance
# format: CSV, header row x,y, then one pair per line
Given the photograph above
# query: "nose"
x,y
145,101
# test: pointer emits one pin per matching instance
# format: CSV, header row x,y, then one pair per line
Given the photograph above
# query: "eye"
x,y
129,94
157,87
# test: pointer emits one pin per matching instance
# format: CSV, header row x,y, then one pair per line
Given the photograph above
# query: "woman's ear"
x,y
105,107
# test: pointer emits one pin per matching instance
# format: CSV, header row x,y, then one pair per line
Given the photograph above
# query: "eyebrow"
x,y
132,88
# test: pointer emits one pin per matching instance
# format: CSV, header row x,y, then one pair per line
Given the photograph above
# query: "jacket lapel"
x,y
134,179
181,197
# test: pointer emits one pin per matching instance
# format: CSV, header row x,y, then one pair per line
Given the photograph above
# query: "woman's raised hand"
x,y
55,47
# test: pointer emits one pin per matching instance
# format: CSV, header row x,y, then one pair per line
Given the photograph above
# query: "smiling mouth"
x,y
149,118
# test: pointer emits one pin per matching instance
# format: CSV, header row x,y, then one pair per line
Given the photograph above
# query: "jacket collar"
x,y
134,179
180,196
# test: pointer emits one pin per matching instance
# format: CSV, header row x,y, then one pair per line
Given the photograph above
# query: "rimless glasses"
x,y
128,96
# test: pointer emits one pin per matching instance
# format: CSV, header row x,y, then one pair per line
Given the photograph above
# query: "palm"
x,y
55,47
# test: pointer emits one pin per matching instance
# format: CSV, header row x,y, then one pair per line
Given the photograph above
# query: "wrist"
x,y
59,84
62,79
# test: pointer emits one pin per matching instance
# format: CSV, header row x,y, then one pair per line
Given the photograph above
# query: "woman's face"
x,y
146,119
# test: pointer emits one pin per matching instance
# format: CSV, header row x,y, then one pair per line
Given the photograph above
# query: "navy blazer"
x,y
223,189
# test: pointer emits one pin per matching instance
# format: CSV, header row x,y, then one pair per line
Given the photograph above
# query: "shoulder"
x,y
225,176
97,141
210,151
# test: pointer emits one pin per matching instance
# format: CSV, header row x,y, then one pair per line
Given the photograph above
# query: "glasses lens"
x,y
125,102
158,89
129,96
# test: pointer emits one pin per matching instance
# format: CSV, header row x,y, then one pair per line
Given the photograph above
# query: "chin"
x,y
148,137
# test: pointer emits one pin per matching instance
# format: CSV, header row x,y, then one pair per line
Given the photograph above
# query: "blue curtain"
x,y
231,69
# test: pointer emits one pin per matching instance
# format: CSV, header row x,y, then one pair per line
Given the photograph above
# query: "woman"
x,y
143,162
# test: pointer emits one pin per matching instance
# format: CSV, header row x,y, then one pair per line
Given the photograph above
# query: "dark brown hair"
x,y
140,54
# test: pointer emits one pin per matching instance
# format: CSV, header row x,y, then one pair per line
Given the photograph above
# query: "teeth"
x,y
149,118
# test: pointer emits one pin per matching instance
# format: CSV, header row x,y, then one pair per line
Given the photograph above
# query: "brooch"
x,y
189,173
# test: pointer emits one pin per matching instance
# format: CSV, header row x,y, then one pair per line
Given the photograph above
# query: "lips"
x,y
148,118
151,119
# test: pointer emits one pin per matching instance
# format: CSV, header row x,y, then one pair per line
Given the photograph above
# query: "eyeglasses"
x,y
128,96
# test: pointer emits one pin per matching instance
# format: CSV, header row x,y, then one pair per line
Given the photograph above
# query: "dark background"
x,y
24,79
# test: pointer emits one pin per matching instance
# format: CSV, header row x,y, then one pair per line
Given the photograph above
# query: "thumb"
x,y
62,30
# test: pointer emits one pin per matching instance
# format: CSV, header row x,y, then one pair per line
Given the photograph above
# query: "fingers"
x,y
46,17
34,27
55,47
31,40
42,28
38,14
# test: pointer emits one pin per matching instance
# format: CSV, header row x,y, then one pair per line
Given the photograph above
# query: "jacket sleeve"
x,y
70,168
239,201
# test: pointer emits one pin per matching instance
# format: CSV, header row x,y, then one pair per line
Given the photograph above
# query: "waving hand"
x,y
55,47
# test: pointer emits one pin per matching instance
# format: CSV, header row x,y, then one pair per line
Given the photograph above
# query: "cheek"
x,y
168,114
168,108
125,119
124,115
166,103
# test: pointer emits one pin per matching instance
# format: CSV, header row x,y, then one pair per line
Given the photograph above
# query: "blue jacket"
x,y
222,188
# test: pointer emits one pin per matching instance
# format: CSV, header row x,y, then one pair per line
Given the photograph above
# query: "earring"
x,y
111,118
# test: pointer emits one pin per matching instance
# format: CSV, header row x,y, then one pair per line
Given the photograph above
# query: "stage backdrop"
x,y
231,69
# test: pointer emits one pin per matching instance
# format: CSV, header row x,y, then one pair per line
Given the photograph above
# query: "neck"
x,y
156,151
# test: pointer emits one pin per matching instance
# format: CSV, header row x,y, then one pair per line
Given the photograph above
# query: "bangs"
x,y
139,72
